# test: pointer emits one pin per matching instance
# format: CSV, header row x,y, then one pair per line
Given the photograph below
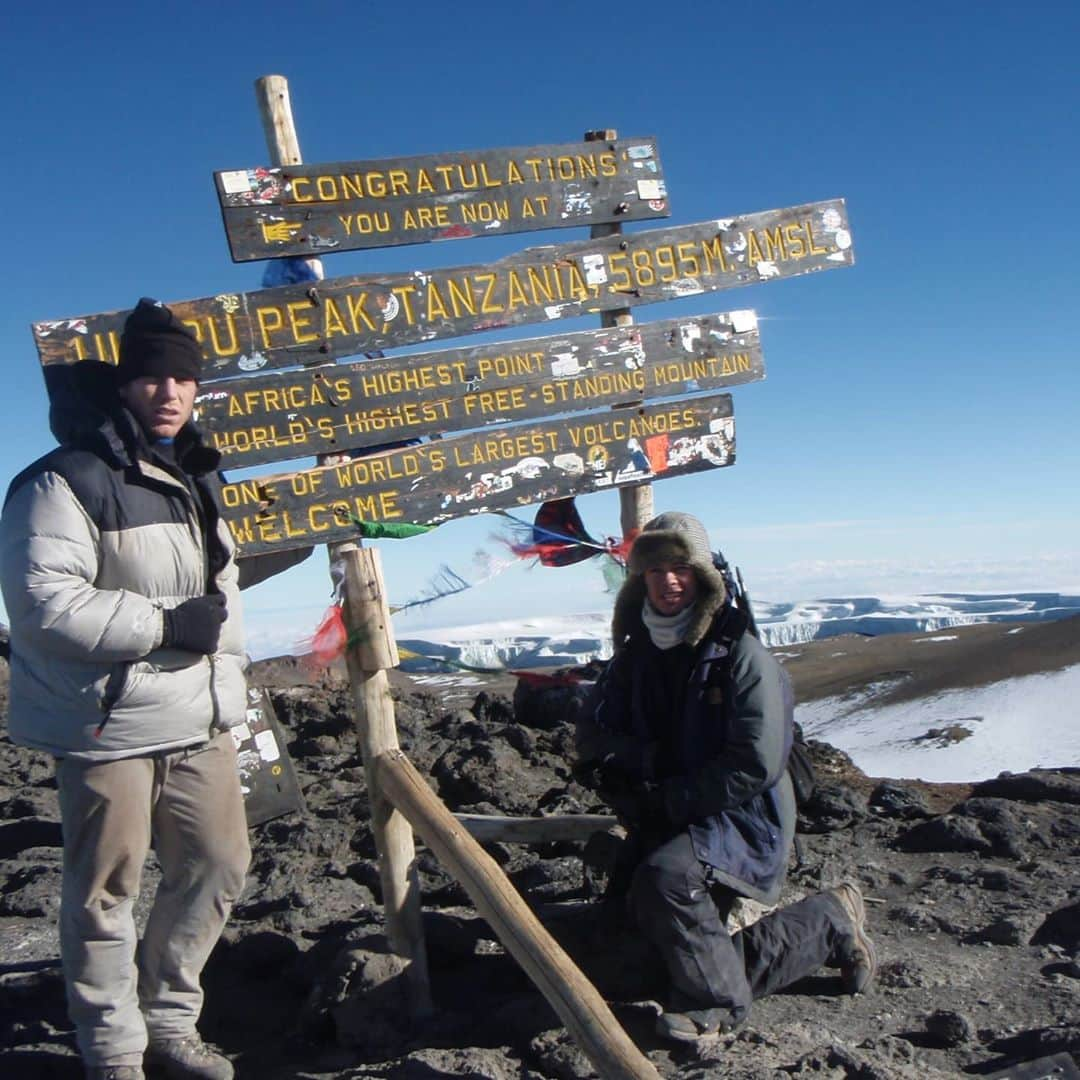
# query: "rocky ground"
x,y
973,893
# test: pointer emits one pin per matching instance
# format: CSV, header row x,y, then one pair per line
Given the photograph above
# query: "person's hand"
x,y
195,624
639,802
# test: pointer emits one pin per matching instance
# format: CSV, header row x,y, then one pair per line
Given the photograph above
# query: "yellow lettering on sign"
x,y
332,320
541,290
608,384
487,304
366,224
358,313
245,493
289,398
688,261
713,251
270,320
732,365
468,175
808,226
753,248
426,217
401,414
516,296
665,262
436,309
410,380
794,241
509,365
606,432
352,187
485,211
461,299
495,401
207,325
507,448
775,247
578,289
300,320
363,472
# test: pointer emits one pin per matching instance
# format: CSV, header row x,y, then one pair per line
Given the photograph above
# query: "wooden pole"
x,y
576,1001
555,828
368,617
635,500
275,111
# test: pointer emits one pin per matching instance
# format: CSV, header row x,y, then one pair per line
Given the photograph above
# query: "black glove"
x,y
195,624
639,802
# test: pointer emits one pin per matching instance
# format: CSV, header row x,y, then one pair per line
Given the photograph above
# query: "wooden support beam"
x,y
367,615
275,111
490,828
635,500
575,1000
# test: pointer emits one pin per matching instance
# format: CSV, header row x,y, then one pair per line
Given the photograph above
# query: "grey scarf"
x,y
666,631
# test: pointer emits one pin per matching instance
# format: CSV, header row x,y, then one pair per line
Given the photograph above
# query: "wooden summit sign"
x,y
315,209
334,407
481,471
297,324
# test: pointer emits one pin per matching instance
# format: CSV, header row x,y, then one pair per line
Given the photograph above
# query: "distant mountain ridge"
x,y
789,624
565,640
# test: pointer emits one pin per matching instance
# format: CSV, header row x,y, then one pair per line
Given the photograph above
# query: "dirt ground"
x,y
973,893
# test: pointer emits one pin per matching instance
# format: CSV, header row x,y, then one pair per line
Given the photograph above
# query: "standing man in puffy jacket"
x,y
121,585
689,735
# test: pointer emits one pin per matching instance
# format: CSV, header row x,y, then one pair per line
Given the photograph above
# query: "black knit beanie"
x,y
155,342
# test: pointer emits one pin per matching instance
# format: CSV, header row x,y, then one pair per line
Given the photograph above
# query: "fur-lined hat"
x,y
673,537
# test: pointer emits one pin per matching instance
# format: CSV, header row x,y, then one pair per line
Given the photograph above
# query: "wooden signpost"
x,y
243,333
316,209
493,426
324,409
479,471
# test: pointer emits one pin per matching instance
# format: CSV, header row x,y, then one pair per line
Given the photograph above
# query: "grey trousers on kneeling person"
x,y
684,916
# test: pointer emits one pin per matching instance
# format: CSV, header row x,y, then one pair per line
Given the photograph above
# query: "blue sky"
x,y
917,429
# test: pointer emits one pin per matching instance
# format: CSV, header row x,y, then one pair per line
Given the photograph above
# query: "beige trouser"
x,y
189,804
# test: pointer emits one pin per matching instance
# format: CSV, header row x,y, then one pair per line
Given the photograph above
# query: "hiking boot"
x,y
189,1058
114,1072
693,1025
859,958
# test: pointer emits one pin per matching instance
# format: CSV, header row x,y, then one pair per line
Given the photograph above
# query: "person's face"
x,y
161,404
671,587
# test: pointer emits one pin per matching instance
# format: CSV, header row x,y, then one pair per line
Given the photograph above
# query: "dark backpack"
x,y
800,767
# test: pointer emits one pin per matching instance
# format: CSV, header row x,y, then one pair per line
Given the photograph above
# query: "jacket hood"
x,y
85,410
626,619
673,537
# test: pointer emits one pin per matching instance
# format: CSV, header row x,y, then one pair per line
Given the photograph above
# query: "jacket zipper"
x,y
215,714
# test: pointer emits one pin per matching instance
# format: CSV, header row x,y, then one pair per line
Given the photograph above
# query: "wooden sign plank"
x,y
482,471
311,210
335,407
297,324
